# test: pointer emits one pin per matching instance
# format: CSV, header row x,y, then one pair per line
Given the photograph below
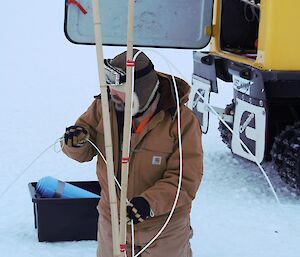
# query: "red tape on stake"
x,y
122,248
130,63
78,5
125,160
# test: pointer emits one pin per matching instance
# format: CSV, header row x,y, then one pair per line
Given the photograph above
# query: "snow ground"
x,y
46,82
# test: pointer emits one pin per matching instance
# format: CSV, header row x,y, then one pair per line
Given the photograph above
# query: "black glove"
x,y
138,210
76,136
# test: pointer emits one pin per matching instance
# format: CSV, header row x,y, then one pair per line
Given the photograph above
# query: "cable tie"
x,y
81,8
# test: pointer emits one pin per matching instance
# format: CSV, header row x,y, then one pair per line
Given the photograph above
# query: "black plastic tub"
x,y
58,219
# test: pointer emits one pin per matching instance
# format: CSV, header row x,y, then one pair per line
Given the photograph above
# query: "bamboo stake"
x,y
127,122
107,128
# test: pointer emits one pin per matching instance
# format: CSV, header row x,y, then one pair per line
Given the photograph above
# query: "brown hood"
x,y
166,89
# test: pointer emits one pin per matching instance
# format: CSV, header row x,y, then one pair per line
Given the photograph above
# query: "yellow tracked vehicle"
x,y
255,45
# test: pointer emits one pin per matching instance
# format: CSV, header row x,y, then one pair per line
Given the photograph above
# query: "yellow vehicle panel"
x,y
278,36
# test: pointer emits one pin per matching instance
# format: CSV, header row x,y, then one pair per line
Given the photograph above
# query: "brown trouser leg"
x,y
173,242
105,248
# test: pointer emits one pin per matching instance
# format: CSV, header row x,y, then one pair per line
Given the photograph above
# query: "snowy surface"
x,y
46,82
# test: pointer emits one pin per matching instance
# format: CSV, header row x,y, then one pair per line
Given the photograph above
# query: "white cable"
x,y
180,164
28,167
180,167
132,238
117,182
253,4
98,150
103,158
248,150
233,133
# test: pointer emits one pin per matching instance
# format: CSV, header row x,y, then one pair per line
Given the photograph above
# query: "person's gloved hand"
x,y
76,136
138,210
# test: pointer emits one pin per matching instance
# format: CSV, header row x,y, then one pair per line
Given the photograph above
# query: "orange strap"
x,y
141,126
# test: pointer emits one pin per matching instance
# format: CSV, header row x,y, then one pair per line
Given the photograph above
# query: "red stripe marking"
x,y
122,248
78,5
130,63
125,160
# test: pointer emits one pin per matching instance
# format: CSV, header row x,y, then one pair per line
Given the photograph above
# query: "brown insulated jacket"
x,y
154,155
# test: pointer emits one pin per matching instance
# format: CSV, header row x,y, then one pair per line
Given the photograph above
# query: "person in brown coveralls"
x,y
154,157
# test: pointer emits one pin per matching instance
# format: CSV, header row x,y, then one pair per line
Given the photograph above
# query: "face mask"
x,y
120,105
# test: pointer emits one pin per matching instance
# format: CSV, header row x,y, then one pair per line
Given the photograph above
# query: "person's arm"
x,y
90,121
162,194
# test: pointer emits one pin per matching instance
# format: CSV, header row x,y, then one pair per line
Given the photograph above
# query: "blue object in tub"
x,y
49,187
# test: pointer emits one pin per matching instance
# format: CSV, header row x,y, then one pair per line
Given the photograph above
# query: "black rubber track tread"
x,y
286,155
225,133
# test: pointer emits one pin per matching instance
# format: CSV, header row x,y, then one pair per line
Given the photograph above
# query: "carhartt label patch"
x,y
156,160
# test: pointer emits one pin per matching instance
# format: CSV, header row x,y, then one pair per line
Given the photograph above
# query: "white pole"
x,y
127,122
107,128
